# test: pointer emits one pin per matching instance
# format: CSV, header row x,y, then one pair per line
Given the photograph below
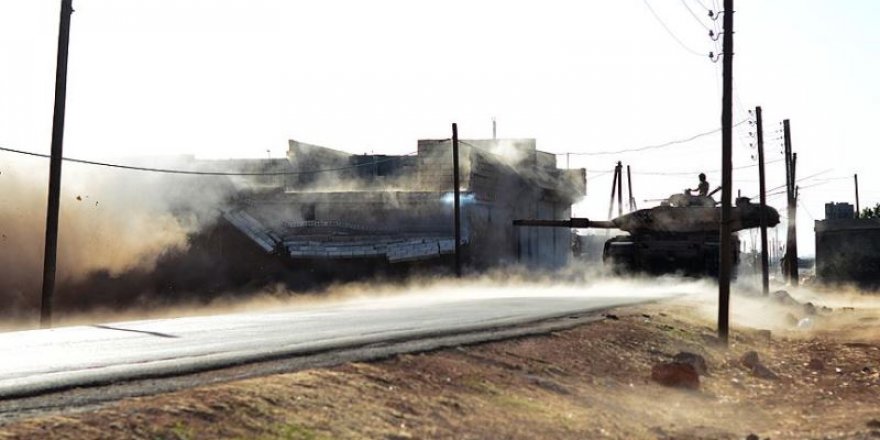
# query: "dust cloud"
x,y
516,282
111,222
799,312
572,282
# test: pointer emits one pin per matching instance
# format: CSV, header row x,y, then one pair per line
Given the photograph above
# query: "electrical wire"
x,y
701,4
797,180
649,173
830,179
693,14
603,173
648,147
690,173
780,193
669,31
198,173
809,214
737,99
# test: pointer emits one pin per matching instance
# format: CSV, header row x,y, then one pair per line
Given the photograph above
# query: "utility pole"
x,y
765,263
794,276
726,251
632,199
619,189
494,132
788,193
50,253
613,190
456,200
856,177
791,256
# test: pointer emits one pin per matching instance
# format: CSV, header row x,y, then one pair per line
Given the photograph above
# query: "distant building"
x,y
839,211
847,248
341,211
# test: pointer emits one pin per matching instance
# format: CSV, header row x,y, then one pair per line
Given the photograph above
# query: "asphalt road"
x,y
42,361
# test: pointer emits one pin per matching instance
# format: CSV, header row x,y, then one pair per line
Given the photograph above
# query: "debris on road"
x,y
676,374
751,361
695,360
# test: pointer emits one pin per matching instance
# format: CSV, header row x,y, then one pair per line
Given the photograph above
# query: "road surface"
x,y
42,361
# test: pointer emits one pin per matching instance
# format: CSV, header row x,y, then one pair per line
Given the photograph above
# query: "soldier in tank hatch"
x,y
702,188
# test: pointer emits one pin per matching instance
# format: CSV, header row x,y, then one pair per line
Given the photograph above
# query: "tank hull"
x,y
688,254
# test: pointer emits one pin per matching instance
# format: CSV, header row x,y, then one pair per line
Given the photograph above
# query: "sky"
x,y
236,78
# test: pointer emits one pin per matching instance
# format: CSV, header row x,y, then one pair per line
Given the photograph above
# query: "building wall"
x,y
848,251
544,248
403,211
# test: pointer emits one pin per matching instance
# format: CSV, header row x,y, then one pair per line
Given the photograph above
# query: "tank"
x,y
682,235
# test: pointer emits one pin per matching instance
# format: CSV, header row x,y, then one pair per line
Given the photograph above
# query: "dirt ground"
x,y
593,381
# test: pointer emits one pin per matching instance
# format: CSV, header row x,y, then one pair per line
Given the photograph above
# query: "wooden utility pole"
x,y
791,258
765,263
629,180
613,191
726,250
619,189
50,253
795,276
789,195
856,177
456,200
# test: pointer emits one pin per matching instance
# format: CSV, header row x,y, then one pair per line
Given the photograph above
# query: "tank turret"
x,y
686,213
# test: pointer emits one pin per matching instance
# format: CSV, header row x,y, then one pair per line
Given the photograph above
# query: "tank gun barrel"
x,y
668,219
574,223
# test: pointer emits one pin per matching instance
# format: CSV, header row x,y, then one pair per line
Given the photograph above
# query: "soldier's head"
x,y
702,177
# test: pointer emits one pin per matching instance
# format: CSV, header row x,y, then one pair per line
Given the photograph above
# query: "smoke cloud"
x,y
111,221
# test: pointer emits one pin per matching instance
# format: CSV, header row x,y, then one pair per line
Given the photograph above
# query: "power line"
x,y
715,7
669,31
649,147
690,173
830,179
701,4
603,173
200,173
648,173
803,205
738,101
693,14
783,192
798,180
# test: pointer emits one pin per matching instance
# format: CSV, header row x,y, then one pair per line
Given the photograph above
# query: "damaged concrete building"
x,y
336,212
